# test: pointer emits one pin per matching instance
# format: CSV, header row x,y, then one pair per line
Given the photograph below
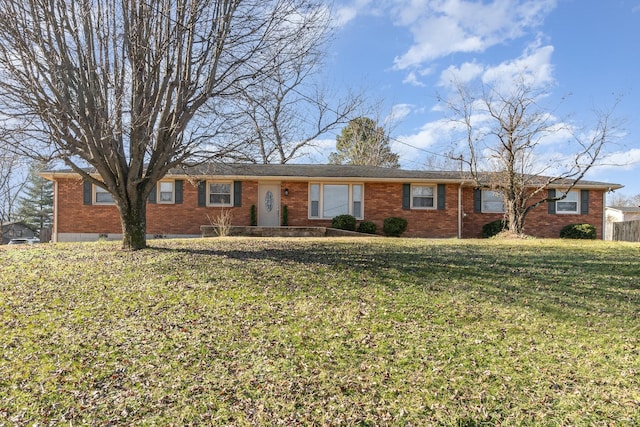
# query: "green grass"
x,y
321,332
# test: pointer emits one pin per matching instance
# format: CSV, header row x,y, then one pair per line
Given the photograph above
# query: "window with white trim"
x,y
166,192
423,196
220,193
570,204
102,196
492,201
327,201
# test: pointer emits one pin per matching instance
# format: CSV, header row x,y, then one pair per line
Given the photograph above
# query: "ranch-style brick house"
x,y
435,204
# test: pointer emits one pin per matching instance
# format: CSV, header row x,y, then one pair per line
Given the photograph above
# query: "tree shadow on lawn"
x,y
574,281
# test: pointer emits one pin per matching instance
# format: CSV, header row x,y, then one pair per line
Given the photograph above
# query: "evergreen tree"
x,y
363,142
36,205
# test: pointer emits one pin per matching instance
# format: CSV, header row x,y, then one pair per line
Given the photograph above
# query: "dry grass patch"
x,y
240,331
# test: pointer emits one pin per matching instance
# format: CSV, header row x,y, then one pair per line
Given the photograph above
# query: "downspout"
x,y
54,231
460,214
604,214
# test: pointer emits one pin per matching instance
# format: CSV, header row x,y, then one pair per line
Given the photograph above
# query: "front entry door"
x,y
269,205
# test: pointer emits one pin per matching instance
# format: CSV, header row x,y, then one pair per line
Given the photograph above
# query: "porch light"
x,y
286,191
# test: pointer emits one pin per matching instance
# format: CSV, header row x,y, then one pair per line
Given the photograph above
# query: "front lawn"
x,y
241,331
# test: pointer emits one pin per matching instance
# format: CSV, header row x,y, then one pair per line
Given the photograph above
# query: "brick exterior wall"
x,y
539,222
381,200
74,216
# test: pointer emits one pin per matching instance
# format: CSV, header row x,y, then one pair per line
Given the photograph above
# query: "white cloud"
x,y
463,74
412,79
348,12
428,141
534,67
399,112
626,160
343,15
443,27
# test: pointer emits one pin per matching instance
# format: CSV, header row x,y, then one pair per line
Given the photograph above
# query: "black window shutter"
x,y
406,196
178,188
477,200
551,205
87,196
441,196
202,193
152,195
237,193
584,202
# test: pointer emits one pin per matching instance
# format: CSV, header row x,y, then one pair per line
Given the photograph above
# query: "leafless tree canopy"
x,y
282,114
12,180
504,131
623,200
136,87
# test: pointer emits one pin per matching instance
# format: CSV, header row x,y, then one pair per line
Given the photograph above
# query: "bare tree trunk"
x,y
133,216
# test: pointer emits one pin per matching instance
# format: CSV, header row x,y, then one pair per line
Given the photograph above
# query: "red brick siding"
x,y
75,217
539,222
381,200
297,203
185,218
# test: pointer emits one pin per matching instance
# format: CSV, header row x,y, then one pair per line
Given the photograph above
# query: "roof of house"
x,y
338,172
625,209
15,223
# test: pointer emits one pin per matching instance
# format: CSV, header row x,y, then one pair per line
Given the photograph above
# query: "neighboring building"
x,y
435,204
619,214
15,230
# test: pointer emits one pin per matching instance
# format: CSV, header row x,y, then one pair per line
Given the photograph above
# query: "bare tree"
x,y
504,132
133,88
12,180
285,111
623,200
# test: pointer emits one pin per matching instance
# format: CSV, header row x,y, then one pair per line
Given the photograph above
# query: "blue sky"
x,y
401,53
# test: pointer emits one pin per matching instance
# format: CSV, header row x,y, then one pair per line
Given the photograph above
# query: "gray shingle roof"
x,y
627,209
319,171
313,171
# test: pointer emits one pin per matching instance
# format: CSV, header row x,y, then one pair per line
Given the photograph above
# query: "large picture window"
x,y
327,201
568,205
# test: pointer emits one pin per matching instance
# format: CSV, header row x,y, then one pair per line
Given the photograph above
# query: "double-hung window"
x,y
327,201
102,196
423,196
220,193
492,201
570,204
166,192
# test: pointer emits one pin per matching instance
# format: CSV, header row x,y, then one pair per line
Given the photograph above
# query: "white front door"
x,y
269,205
